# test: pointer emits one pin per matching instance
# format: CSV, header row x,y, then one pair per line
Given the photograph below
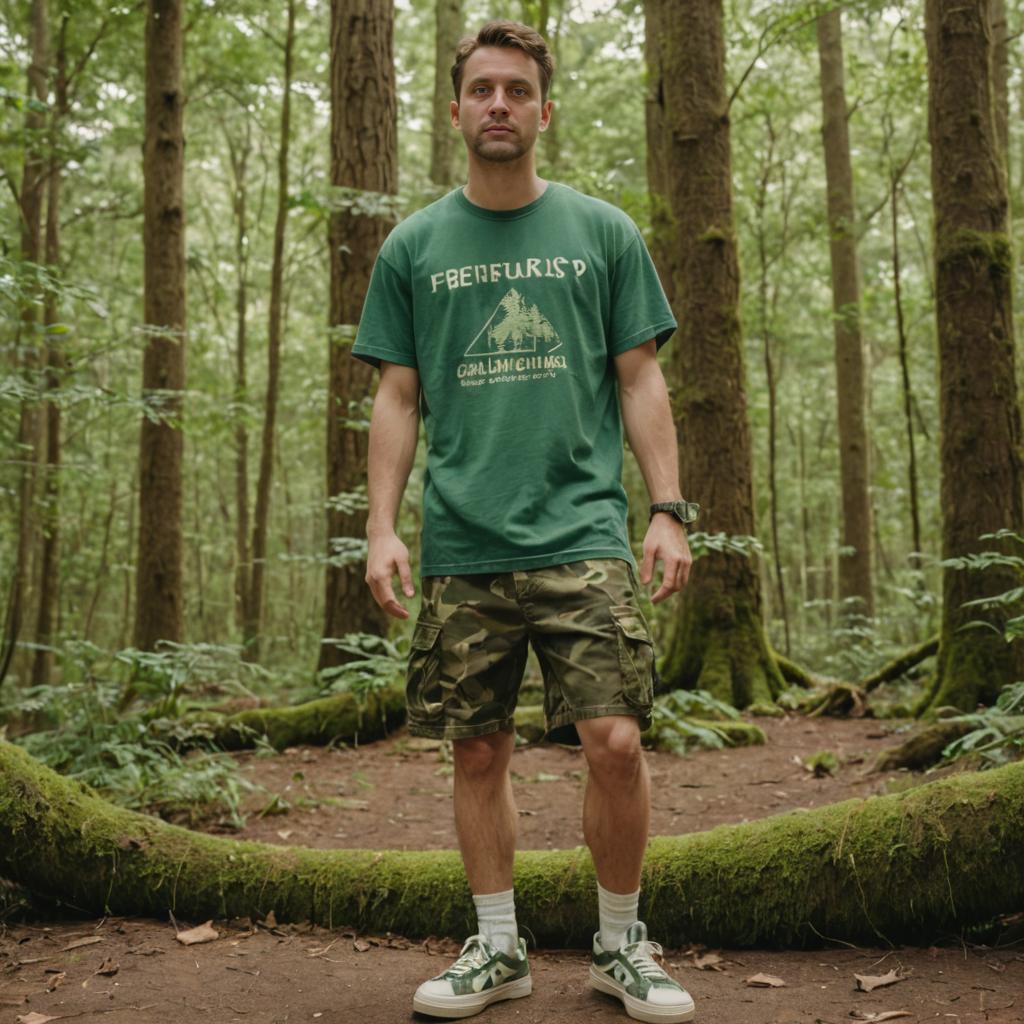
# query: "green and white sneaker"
x,y
631,974
482,975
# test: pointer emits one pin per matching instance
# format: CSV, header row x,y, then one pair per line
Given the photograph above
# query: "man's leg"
x,y
485,812
617,804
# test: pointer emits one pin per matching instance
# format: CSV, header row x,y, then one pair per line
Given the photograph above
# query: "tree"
x,y
254,604
718,643
447,30
855,555
981,431
364,160
159,610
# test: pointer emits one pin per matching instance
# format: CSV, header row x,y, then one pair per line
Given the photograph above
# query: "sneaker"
x,y
482,975
631,974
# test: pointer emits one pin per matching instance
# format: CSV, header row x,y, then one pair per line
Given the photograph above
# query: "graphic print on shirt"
x,y
515,343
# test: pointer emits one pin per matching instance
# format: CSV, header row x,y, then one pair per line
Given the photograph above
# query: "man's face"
x,y
499,111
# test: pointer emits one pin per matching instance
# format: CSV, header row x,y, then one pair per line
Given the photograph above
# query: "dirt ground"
x,y
396,794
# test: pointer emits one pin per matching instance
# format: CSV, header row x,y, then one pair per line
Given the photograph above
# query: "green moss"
x,y
992,248
762,709
716,234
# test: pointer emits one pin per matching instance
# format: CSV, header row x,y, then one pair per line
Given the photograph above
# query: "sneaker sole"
x,y
637,1008
472,1003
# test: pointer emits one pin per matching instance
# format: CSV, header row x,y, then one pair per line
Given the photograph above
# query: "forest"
x,y
201,703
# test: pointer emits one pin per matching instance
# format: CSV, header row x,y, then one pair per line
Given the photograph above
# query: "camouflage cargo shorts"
x,y
471,640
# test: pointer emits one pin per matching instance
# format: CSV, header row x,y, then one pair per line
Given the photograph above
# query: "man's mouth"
x,y
497,128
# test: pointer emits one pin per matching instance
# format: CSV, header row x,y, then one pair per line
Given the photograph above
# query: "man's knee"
x,y
483,758
612,746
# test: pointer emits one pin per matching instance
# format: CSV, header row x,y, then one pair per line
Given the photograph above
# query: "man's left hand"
x,y
666,543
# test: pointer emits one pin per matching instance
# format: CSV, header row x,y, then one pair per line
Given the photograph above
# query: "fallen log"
x,y
900,665
341,716
924,748
793,673
902,867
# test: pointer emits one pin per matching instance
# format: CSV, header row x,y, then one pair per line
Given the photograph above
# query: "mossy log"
x,y
839,700
903,867
328,719
900,665
922,749
530,725
793,673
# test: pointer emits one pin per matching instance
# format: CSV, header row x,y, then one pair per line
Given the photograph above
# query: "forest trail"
x,y
396,793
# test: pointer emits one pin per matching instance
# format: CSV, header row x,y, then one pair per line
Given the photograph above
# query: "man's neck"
x,y
502,187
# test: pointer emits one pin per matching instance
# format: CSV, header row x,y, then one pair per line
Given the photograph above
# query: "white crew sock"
x,y
617,911
496,920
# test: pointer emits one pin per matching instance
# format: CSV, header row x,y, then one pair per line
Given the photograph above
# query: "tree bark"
x,y
719,642
364,157
159,609
903,867
855,562
49,573
447,32
254,606
981,433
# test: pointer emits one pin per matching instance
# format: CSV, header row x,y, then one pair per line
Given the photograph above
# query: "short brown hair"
x,y
509,34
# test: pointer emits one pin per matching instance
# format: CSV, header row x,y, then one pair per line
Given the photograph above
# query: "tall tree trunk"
x,y
855,575
719,642
447,32
981,433
1001,80
49,575
364,155
30,198
159,610
254,606
239,156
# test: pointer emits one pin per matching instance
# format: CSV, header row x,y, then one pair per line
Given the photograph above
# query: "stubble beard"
x,y
498,152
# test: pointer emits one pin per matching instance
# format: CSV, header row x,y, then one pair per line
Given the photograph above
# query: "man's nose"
x,y
498,101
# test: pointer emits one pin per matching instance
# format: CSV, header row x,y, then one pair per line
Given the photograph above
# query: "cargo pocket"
x,y
422,692
636,656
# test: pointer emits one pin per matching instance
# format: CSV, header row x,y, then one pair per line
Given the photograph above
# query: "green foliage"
x,y
998,736
377,663
673,726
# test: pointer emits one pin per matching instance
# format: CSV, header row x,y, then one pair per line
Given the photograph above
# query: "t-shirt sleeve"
x,y
639,308
385,327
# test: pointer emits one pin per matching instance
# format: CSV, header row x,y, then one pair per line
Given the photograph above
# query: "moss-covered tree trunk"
x,y
893,868
364,159
979,414
855,584
160,599
718,642
447,31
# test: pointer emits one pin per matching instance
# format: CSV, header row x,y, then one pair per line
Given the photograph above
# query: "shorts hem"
x,y
599,711
449,731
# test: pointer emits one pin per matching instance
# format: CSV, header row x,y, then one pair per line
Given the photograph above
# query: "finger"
x,y
684,571
405,575
647,566
385,597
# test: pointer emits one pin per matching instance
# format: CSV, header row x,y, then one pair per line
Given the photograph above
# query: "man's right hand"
x,y
386,556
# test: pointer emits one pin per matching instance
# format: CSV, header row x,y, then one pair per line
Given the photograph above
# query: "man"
x,y
506,313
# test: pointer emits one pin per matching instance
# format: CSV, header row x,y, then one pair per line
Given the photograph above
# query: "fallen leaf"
x,y
33,1018
360,945
875,1018
708,962
270,921
55,980
108,967
284,833
82,942
201,933
869,982
765,981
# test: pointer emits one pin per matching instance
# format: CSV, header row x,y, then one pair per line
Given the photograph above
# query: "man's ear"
x,y
453,110
545,114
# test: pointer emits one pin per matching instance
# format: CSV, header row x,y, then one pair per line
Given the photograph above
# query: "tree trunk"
x,y
855,575
159,609
49,574
254,606
854,871
981,433
239,155
719,642
30,199
447,32
364,156
1001,81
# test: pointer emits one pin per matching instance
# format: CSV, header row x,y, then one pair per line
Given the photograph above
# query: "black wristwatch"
x,y
684,511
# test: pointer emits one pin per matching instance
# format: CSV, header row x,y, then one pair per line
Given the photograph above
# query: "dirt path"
x,y
397,795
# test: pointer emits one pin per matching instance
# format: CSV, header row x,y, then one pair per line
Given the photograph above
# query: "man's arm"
x,y
394,431
651,432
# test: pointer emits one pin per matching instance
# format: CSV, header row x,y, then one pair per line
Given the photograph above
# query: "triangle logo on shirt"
x,y
514,326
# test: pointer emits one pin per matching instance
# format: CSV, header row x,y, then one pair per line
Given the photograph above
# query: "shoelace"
x,y
472,956
642,959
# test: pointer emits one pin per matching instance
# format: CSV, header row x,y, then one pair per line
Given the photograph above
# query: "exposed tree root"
x,y
923,748
900,665
842,700
903,867
793,673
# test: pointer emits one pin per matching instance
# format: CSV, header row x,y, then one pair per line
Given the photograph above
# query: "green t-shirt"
x,y
511,318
